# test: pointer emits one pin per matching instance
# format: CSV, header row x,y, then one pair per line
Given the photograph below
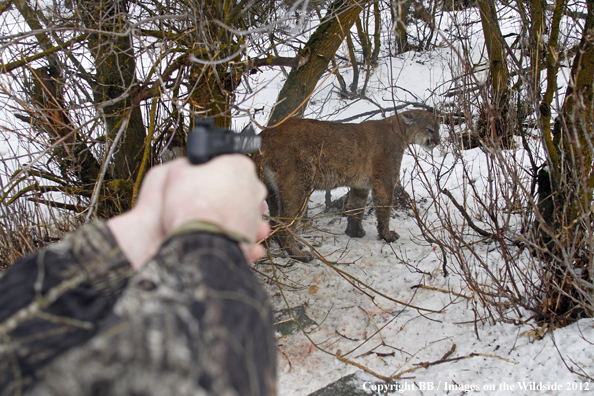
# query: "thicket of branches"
x,y
532,120
94,93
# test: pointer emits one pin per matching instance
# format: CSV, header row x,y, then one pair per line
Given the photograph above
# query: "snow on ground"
x,y
383,321
388,337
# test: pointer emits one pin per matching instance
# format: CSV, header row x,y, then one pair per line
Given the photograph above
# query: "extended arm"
x,y
55,299
194,321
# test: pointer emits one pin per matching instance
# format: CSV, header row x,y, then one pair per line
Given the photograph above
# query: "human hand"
x,y
138,231
224,191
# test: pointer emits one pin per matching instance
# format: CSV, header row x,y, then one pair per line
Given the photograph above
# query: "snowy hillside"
x,y
388,309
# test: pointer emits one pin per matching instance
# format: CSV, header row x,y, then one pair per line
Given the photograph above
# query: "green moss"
x,y
120,186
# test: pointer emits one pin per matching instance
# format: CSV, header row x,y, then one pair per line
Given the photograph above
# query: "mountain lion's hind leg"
x,y
357,201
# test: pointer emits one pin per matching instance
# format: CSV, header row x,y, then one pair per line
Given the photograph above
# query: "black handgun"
x,y
207,141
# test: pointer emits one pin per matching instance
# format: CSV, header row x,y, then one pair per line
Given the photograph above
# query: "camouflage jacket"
x,y
76,320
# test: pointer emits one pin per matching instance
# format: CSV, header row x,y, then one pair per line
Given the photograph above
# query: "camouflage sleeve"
x,y
194,321
55,299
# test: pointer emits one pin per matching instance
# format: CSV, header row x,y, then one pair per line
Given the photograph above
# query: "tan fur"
x,y
302,155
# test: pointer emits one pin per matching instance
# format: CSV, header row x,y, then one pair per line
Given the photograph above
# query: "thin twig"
x,y
93,206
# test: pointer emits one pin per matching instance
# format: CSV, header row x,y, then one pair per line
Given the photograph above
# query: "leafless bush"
x,y
516,224
28,226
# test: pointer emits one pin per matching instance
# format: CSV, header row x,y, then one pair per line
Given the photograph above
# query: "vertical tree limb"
x,y
493,121
377,38
322,45
148,140
115,65
545,105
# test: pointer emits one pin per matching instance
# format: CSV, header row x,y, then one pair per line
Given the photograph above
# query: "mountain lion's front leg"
x,y
382,199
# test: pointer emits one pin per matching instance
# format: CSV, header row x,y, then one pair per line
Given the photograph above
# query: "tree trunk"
x,y
493,124
321,47
537,13
115,77
213,84
72,155
377,41
213,94
354,64
400,16
363,38
565,187
574,129
545,105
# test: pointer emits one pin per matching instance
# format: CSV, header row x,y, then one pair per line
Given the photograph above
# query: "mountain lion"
x,y
300,155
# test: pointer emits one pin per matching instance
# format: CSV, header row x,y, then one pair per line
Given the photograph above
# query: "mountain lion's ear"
x,y
409,119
